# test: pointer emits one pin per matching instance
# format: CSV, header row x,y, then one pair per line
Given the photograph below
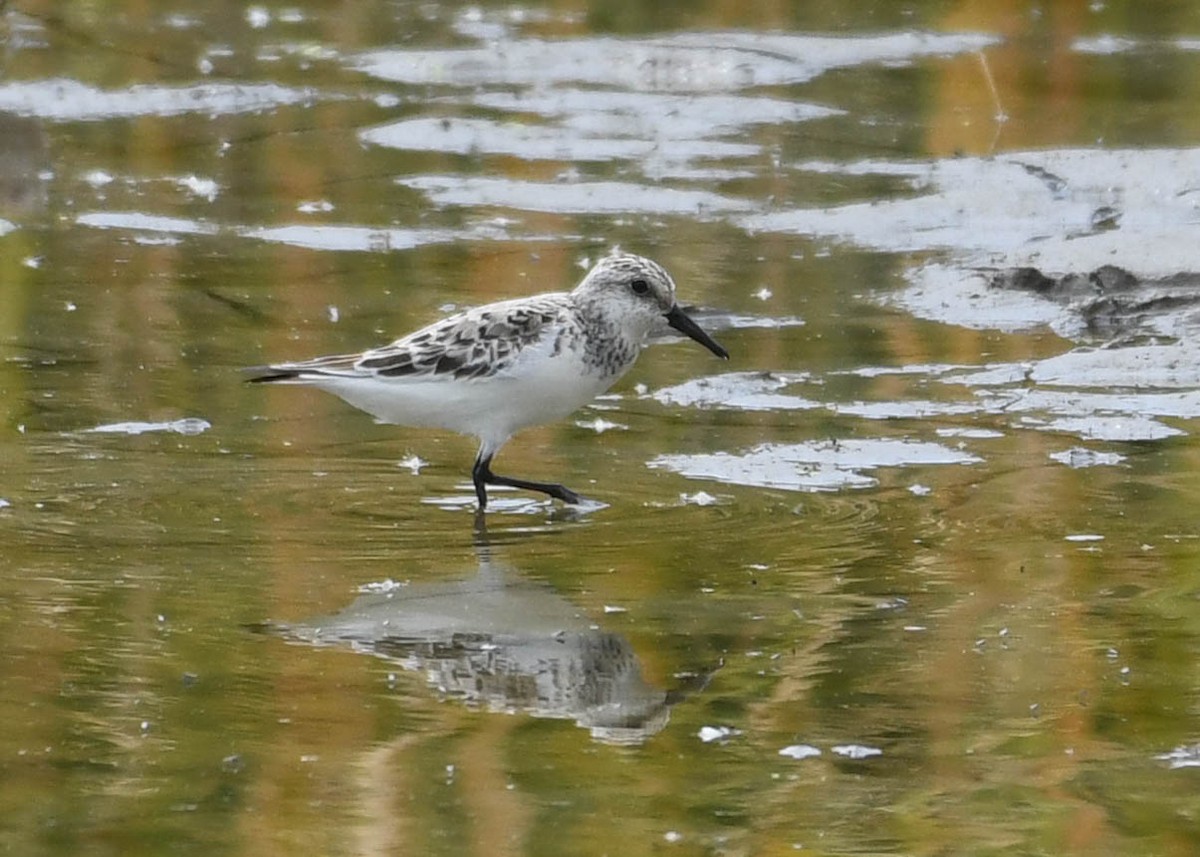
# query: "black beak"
x,y
679,320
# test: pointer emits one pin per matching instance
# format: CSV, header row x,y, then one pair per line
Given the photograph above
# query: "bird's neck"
x,y
609,349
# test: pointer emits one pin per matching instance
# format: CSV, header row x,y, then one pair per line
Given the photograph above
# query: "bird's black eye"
x,y
639,286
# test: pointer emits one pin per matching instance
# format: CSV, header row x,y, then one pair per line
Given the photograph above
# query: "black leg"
x,y
482,475
479,474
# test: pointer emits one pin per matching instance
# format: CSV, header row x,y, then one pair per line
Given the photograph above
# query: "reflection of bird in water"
x,y
592,677
506,644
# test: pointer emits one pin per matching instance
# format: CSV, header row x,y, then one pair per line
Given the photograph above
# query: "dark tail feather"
x,y
266,374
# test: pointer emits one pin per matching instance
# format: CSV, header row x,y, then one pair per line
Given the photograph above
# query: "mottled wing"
x,y
478,343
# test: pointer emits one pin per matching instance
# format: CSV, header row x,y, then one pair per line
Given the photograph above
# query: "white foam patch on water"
x,y
6,226
1096,416
672,104
708,734
413,463
907,409
1104,43
333,237
700,498
1024,208
140,222
1078,457
98,178
386,586
572,197
614,113
856,751
1079,403
931,370
1121,402
476,22
345,238
64,100
800,751
1107,44
969,433
257,17
1113,416
186,426
1061,211
1113,394
962,296
953,295
1125,428
813,466
749,322
962,203
681,62
600,425
1109,416
204,188
1183,756
1170,366
542,142
744,391
1110,394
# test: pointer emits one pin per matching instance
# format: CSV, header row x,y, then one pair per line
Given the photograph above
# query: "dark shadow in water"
x,y
504,643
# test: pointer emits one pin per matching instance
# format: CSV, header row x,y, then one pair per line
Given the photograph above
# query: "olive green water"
x,y
247,620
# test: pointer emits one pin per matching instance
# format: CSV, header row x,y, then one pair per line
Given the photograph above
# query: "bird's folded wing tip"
x,y
266,374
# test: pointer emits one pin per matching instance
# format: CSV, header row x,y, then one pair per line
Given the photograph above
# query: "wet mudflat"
x,y
915,572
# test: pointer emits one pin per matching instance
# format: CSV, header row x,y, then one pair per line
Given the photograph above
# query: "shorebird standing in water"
x,y
496,369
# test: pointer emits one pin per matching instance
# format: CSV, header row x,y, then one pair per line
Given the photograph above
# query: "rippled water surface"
x,y
916,572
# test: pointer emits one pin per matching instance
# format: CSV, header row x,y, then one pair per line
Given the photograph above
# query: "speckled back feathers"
x,y
606,320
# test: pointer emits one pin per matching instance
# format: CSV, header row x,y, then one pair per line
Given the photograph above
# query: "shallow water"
x,y
915,572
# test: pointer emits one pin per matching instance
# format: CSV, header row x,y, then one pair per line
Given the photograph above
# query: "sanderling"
x,y
496,369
